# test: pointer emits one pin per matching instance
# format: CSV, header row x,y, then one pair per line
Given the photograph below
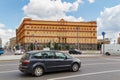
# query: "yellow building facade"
x,y
40,33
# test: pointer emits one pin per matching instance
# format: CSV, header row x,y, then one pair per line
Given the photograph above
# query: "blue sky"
x,y
11,12
105,12
91,11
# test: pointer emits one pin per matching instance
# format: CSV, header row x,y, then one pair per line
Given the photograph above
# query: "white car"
x,y
18,52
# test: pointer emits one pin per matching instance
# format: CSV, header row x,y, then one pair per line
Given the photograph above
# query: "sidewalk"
x,y
10,57
17,57
87,55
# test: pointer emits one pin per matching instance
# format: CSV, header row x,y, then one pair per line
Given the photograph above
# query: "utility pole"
x,y
103,34
77,28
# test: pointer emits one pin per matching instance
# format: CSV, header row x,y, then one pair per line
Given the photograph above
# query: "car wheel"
x,y
38,71
70,53
107,53
75,67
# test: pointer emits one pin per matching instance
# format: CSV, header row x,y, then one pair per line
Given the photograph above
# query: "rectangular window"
x,y
37,56
60,55
48,55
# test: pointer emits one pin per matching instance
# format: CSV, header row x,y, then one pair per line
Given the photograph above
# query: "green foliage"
x,y
99,46
31,46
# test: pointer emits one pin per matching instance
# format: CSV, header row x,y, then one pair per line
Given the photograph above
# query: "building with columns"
x,y
40,33
106,41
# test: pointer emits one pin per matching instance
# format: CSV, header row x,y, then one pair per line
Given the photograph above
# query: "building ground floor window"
x,y
58,46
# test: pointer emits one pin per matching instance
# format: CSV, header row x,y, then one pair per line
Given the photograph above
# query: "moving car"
x,y
75,51
39,62
18,52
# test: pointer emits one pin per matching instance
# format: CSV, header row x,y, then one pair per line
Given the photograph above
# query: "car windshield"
x,y
68,55
76,50
17,51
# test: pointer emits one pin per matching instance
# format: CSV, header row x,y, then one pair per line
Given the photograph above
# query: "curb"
x,y
8,60
87,56
17,57
10,57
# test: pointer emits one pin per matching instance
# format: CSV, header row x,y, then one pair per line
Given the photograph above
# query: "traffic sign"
x,y
103,33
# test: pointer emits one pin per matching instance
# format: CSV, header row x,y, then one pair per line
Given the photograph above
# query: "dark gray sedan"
x,y
39,62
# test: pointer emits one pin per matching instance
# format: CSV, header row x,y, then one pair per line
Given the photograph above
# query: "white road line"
x,y
8,71
8,65
101,63
113,59
82,64
87,74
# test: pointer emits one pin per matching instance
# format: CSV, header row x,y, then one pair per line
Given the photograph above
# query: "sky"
x,y
105,12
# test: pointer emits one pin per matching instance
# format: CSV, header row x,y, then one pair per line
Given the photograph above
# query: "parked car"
x,y
39,62
110,49
18,52
1,51
75,51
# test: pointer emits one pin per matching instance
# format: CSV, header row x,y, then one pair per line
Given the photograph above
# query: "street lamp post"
x,y
33,42
77,37
61,38
103,34
61,42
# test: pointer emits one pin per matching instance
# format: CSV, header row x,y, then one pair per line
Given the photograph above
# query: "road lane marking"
x,y
8,71
113,59
101,63
82,64
87,74
8,65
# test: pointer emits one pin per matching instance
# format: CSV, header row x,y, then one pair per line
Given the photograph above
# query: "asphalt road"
x,y
99,68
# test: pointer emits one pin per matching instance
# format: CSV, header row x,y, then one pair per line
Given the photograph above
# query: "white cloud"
x,y
51,9
1,25
5,35
91,1
109,22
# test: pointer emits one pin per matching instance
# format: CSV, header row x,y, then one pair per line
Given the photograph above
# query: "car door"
x,y
50,62
62,61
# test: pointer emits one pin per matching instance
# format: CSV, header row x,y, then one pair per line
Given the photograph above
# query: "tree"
x,y
99,46
67,47
56,47
31,46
